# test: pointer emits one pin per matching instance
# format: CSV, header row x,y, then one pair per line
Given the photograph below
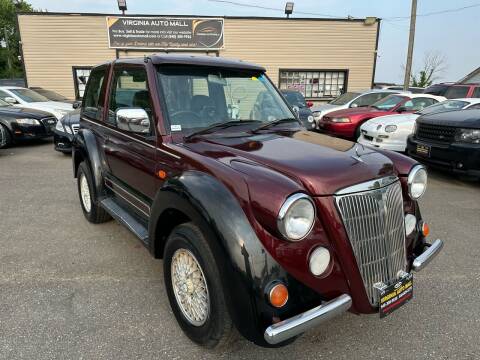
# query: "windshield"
x,y
345,98
389,102
199,97
51,95
449,105
294,98
28,95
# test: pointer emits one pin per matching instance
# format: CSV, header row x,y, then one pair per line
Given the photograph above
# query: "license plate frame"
x,y
394,296
423,150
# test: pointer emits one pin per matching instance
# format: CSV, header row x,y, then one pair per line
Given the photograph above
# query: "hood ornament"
x,y
357,156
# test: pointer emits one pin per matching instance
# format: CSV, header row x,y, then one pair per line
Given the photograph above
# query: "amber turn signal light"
x,y
425,229
278,295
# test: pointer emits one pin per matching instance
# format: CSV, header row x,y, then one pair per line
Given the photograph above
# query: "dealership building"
x,y
319,57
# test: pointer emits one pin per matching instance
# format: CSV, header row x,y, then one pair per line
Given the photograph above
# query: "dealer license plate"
x,y
423,150
394,296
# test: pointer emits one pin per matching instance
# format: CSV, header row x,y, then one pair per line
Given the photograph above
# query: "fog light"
x,y
278,295
410,223
319,261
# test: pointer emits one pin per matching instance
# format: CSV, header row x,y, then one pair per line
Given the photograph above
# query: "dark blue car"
x,y
297,101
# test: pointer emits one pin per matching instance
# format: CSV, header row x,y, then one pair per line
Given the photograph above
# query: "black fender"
x,y
7,123
247,268
85,147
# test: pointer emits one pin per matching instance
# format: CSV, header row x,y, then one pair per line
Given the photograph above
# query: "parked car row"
x,y
27,114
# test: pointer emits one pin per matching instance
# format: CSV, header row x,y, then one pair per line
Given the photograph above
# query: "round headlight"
x,y
319,261
390,128
417,182
296,217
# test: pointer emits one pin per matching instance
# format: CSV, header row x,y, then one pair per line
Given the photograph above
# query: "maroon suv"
x,y
261,225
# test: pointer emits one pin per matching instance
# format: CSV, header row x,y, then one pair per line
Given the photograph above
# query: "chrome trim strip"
x,y
128,193
367,186
424,259
298,324
132,138
124,198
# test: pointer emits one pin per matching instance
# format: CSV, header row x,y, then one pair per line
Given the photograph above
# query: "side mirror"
x,y
402,109
11,100
309,104
133,119
354,105
296,110
77,104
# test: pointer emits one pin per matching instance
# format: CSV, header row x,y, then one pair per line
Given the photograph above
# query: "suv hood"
x,y
460,119
323,164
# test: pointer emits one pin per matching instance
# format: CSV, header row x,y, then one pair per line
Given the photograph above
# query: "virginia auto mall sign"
x,y
165,33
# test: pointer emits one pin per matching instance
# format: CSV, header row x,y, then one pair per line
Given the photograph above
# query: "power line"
x,y
271,8
394,18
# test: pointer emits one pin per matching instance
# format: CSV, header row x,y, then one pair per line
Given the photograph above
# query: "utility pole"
x,y
411,39
9,60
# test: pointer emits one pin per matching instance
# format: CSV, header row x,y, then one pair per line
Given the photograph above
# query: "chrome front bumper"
x,y
298,324
424,258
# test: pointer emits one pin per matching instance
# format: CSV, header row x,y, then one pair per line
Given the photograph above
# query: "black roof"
x,y
195,60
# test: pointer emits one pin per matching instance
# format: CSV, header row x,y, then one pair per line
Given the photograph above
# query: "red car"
x,y
262,225
346,123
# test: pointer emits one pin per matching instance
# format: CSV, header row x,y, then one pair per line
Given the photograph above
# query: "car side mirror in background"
x,y
354,105
77,104
11,100
133,119
402,109
309,104
296,110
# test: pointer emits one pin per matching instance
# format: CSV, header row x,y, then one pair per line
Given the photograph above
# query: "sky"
x,y
452,35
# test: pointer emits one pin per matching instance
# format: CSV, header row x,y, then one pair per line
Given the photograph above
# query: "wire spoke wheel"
x,y
85,193
190,287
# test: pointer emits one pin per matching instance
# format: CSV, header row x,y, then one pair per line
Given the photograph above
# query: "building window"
x,y
315,84
80,78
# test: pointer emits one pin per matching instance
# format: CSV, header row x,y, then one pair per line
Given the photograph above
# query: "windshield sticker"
x,y
176,127
254,78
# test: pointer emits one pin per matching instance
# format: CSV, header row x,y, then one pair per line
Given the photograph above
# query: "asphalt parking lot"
x,y
73,290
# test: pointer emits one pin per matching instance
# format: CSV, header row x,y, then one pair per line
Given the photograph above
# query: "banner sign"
x,y
165,33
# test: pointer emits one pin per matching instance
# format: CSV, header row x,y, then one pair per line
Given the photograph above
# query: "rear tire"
x,y
196,295
7,137
88,197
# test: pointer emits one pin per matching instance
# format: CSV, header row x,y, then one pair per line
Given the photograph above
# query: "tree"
x,y
10,55
434,64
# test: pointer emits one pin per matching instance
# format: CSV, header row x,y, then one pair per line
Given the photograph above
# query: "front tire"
x,y
194,288
92,210
5,137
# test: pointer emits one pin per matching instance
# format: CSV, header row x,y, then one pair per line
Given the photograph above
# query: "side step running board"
x,y
124,218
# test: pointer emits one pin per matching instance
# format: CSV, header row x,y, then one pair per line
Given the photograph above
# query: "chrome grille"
x,y
374,221
75,128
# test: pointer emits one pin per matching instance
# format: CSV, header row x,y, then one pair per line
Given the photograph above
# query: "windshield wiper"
x,y
273,123
219,126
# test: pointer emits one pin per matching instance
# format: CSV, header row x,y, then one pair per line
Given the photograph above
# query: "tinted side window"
x,y
368,99
93,99
476,92
476,106
456,92
129,90
438,90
